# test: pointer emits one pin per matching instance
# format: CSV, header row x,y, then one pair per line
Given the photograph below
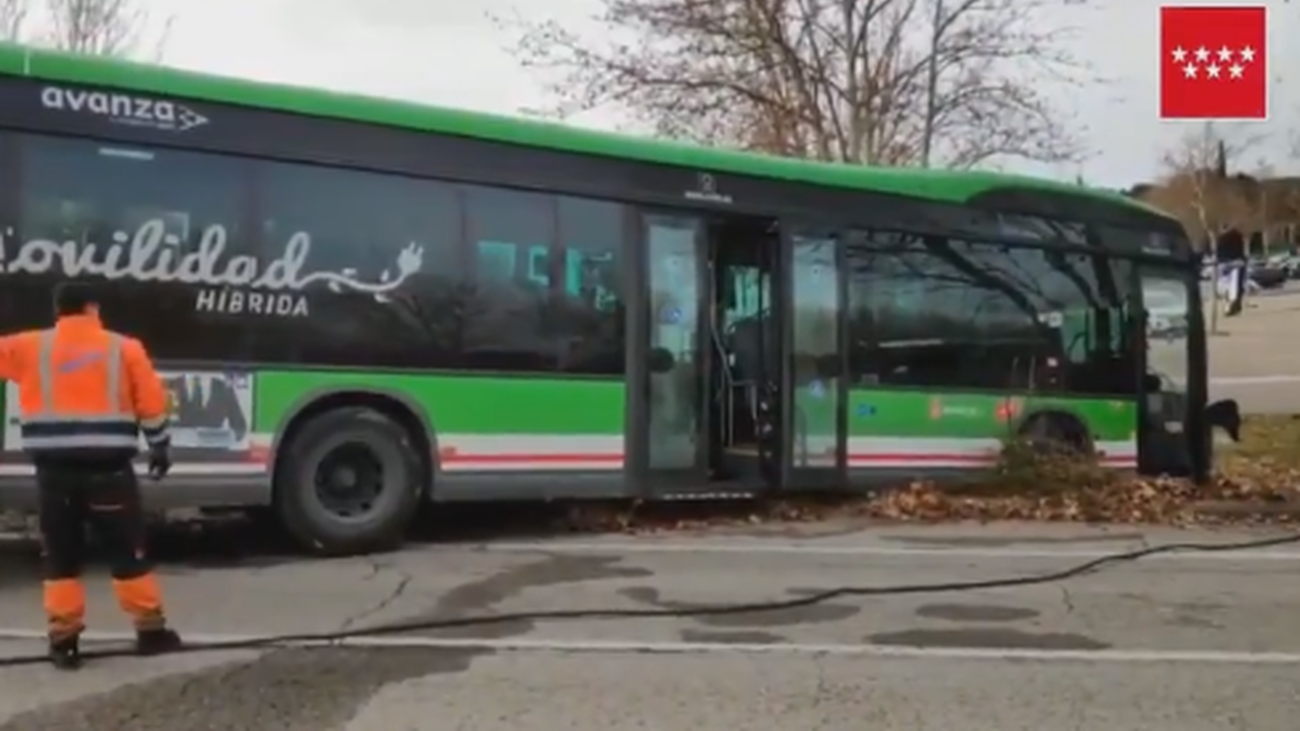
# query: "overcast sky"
x,y
448,52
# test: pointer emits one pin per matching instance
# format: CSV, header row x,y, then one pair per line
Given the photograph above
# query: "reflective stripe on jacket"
x,y
84,390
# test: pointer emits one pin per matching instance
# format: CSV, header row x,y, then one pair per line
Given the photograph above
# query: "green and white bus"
x,y
363,305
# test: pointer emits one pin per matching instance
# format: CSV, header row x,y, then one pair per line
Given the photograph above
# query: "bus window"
x,y
496,261
539,266
746,282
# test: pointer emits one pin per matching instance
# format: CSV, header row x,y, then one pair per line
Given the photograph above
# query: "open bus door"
x,y
811,303
1176,418
668,357
1204,415
704,358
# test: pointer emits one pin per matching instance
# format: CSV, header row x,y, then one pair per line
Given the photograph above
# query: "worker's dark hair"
x,y
72,298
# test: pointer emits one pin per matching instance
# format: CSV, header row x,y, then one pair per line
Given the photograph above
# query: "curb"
x,y
1247,508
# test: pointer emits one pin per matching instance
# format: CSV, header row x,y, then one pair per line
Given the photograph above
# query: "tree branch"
x,y
101,27
840,80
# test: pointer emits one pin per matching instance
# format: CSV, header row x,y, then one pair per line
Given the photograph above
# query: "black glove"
x,y
160,460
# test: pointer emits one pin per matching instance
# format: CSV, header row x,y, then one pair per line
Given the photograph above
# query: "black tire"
x,y
305,515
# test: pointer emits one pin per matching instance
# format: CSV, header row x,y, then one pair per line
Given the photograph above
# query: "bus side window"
x,y
496,261
539,266
589,276
92,197
586,265
547,294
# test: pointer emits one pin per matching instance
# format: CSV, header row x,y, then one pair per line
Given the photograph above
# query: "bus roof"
x,y
939,185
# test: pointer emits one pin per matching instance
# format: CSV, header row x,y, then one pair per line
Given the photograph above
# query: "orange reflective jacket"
x,y
84,389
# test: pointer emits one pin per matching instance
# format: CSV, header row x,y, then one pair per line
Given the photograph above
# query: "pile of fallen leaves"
x,y
1046,487
1257,481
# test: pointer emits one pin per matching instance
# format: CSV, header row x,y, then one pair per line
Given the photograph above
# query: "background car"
x,y
1166,314
1267,276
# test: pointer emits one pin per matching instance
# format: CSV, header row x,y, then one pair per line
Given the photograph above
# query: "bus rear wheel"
x,y
348,482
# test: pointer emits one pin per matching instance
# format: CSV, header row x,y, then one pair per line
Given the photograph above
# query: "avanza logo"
x,y
136,111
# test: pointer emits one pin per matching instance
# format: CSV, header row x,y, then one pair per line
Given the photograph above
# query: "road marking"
x,y
752,548
781,648
1252,380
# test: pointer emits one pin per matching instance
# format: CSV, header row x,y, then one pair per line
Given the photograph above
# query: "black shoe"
x,y
156,641
65,653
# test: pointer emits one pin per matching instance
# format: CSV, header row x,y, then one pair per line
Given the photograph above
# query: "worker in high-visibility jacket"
x,y
86,395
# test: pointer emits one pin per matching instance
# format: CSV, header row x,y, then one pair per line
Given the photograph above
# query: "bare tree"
x,y
866,81
1197,187
101,27
13,19
1199,190
1277,204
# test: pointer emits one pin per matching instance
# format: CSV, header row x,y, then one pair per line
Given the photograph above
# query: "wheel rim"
x,y
349,481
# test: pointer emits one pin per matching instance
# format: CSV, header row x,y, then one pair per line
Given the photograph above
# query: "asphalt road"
x,y
1183,644
1266,396
1255,357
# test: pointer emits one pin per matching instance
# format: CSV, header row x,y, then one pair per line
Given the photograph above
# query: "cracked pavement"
x,y
378,567
1183,644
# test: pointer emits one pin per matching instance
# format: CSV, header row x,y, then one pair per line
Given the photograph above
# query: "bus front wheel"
x,y
348,482
1052,432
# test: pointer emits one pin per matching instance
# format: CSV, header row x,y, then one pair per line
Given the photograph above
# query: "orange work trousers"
x,y
104,497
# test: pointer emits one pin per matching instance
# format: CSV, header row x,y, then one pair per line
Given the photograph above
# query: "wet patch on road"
x,y
1007,542
983,638
741,637
481,597
1192,614
1197,615
814,614
20,564
286,689
1200,607
1193,621
231,542
312,689
976,612
179,547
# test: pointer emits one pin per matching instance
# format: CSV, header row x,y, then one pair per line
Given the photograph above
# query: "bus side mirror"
x,y
1151,384
1225,414
660,360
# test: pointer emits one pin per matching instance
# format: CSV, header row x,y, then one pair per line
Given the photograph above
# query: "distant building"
x,y
1266,211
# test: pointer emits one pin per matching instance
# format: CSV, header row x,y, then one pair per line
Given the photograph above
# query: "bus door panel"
x,y
813,391
1168,329
667,426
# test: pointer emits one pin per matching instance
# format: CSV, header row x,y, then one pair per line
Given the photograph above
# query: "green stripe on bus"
x,y
487,405
461,404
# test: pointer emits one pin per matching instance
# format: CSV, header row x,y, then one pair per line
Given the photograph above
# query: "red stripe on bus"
x,y
262,455
518,458
928,457
957,457
607,458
